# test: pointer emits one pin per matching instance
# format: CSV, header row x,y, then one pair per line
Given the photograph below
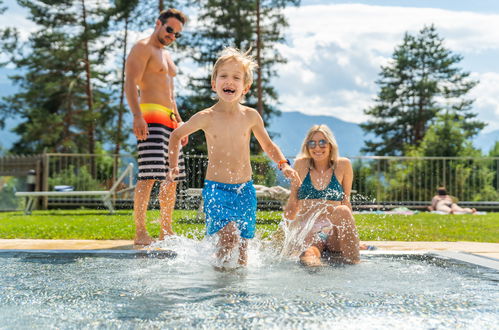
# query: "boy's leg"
x,y
167,195
228,240
243,252
140,203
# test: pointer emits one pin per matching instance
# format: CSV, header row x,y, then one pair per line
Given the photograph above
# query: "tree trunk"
x,y
259,92
121,109
90,101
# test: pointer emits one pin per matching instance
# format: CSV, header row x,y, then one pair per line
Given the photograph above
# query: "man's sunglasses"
x,y
312,143
169,29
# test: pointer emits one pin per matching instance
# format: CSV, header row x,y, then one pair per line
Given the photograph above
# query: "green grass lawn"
x,y
98,224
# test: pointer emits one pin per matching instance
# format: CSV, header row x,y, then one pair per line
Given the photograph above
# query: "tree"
x,y
422,81
234,23
462,168
63,102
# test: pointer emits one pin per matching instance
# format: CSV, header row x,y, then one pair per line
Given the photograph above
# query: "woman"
x,y
320,206
443,202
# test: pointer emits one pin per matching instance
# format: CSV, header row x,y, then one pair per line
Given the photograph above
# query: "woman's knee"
x,y
342,213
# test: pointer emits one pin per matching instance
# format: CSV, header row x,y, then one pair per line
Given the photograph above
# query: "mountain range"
x,y
288,129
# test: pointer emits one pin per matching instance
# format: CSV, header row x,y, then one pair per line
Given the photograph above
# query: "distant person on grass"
x,y
228,193
443,202
150,95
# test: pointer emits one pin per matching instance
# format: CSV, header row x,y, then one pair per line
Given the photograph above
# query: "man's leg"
x,y
140,203
167,194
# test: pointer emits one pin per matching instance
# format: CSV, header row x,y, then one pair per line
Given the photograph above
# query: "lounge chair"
x,y
106,195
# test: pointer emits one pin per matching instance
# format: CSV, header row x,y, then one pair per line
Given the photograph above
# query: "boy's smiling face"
x,y
229,82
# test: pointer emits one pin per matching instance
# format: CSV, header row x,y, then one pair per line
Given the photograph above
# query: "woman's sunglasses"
x,y
312,143
169,29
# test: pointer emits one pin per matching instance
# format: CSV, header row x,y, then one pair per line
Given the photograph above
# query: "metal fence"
x,y
378,181
413,180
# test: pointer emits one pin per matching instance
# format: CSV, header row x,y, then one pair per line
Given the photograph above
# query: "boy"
x,y
228,193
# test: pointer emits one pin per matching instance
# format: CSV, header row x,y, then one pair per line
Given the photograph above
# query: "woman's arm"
x,y
346,181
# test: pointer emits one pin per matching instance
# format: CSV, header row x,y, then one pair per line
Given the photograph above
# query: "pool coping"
x,y
481,254
463,257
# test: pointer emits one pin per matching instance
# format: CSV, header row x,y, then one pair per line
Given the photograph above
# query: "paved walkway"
x,y
489,250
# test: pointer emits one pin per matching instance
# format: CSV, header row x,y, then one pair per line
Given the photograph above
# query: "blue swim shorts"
x,y
225,202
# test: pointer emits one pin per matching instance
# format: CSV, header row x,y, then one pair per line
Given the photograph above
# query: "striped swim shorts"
x,y
153,151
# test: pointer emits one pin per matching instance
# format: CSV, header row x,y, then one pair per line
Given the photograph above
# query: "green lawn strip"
x,y
429,227
97,224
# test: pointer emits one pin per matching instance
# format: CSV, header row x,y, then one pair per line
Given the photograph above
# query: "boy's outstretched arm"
x,y
192,125
273,150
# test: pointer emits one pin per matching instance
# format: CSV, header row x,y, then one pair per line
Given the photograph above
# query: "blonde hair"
x,y
328,134
246,60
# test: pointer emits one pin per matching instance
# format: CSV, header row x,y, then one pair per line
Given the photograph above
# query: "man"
x,y
150,95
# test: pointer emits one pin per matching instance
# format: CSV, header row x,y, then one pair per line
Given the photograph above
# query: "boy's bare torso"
x,y
156,82
228,137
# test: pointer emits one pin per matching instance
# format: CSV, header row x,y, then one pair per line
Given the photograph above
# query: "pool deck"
x,y
487,250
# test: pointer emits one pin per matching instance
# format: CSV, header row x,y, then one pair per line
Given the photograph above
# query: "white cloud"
x,y
486,99
335,52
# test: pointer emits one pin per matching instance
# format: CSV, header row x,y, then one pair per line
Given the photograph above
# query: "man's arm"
x,y
134,69
272,149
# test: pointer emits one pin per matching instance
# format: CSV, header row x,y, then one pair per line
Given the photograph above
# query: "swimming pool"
x,y
129,290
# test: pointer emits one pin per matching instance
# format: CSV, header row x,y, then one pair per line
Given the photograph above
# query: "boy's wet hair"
x,y
172,12
247,61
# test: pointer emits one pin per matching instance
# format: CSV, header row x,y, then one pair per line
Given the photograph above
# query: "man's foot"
x,y
143,240
163,235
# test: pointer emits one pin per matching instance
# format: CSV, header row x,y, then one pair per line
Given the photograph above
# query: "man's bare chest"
x,y
158,63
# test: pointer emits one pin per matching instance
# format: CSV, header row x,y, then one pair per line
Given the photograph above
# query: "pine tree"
x,y
421,81
234,23
63,103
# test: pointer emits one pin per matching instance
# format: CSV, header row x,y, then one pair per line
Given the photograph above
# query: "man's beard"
x,y
163,41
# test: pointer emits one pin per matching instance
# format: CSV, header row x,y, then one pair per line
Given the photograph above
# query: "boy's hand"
x,y
172,174
291,174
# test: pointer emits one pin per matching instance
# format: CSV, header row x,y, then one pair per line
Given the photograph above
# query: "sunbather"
x,y
443,202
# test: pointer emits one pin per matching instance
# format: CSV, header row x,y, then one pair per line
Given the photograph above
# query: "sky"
x,y
335,50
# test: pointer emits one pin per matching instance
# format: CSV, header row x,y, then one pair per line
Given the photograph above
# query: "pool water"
x,y
47,290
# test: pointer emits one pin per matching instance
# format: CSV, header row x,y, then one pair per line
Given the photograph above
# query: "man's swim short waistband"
x,y
158,114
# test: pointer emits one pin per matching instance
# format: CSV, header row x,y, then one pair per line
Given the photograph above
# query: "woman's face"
x,y
318,147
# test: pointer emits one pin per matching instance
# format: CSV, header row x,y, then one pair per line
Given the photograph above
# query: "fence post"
x,y
45,179
378,184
